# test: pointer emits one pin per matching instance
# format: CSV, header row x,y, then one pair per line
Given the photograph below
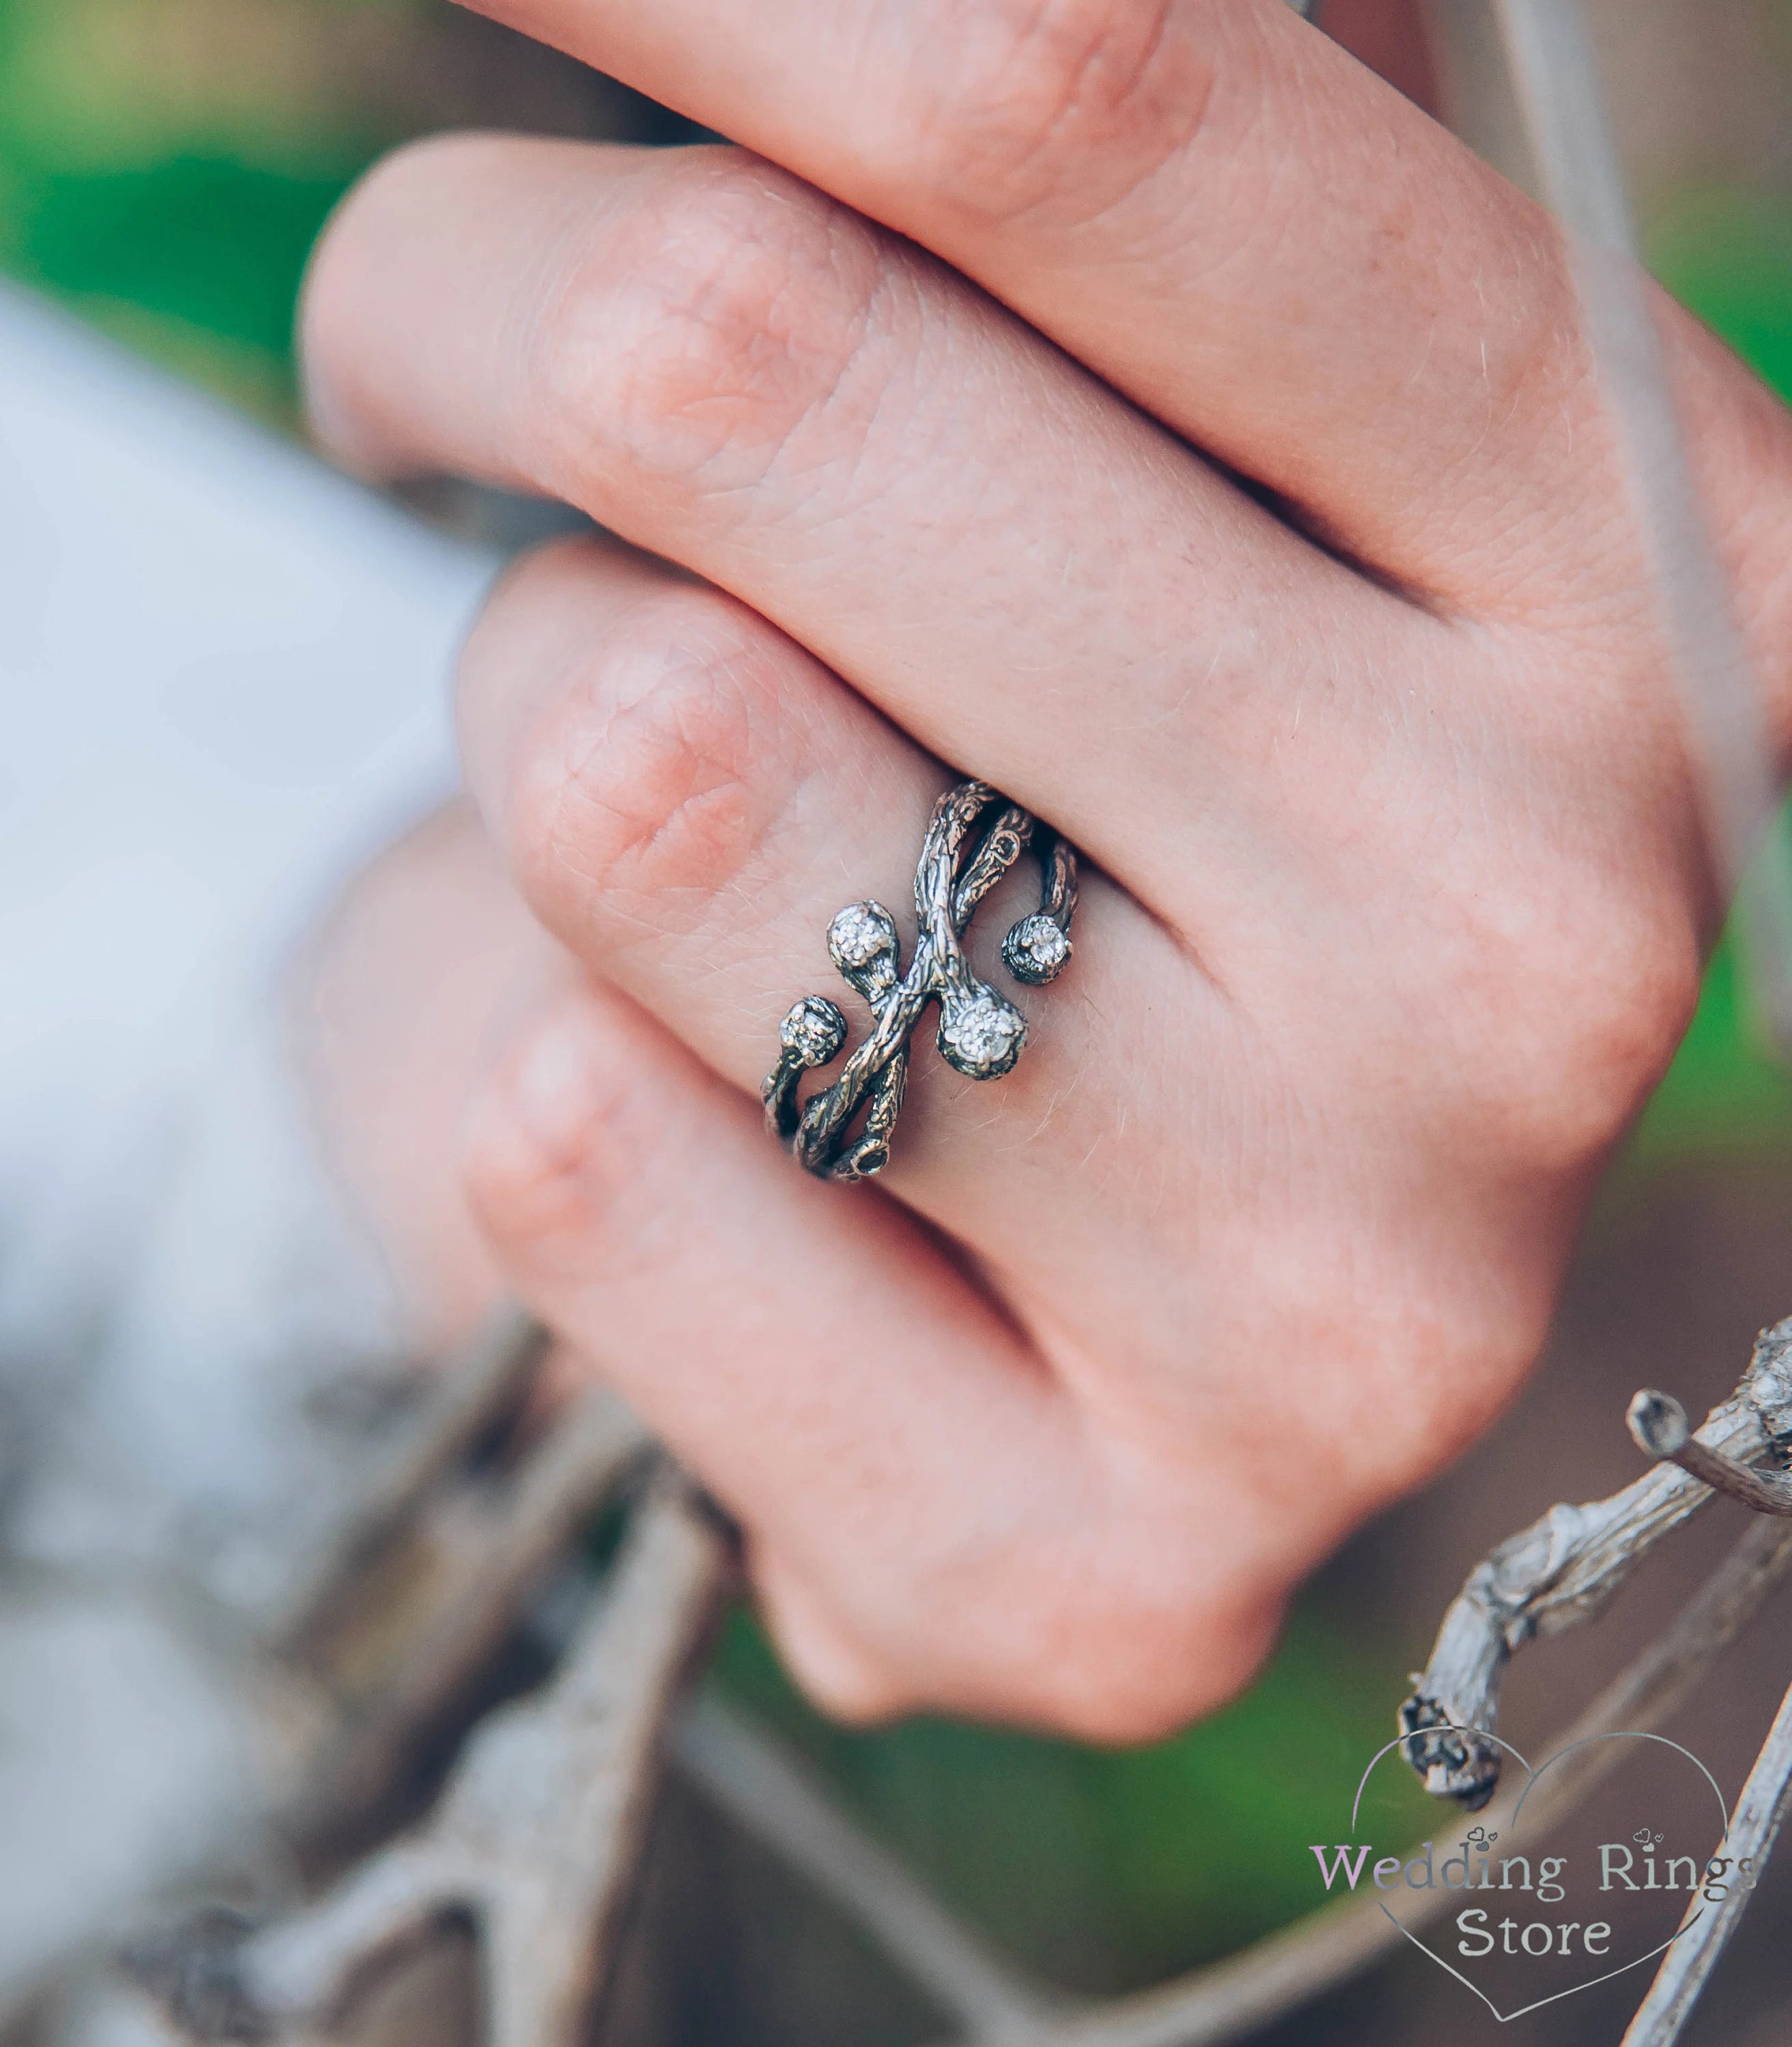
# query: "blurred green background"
x,y
164,166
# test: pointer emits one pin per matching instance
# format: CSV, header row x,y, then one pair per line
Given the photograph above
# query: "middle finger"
x,y
1038,583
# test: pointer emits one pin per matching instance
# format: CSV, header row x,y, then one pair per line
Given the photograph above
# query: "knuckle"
x,y
1432,1362
638,800
1033,105
694,341
1580,1020
1158,1653
1130,1635
845,1677
549,1152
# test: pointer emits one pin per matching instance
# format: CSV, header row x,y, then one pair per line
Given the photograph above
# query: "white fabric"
x,y
224,682
224,674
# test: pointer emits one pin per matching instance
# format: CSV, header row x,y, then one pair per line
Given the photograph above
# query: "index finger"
x,y
1207,202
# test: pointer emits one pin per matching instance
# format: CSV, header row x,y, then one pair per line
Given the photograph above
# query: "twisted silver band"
x,y
975,836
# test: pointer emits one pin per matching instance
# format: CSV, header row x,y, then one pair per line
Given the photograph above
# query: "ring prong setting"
x,y
814,1031
982,1036
1038,949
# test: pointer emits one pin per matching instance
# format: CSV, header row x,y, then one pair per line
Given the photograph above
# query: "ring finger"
x,y
687,797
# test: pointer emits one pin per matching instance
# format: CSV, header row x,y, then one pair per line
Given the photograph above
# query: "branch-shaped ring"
x,y
975,836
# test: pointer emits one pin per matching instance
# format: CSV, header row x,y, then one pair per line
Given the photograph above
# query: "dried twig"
x,y
1233,1998
470,1393
1688,1965
478,1560
1659,1425
1560,1572
542,1894
534,1842
1556,77
767,1792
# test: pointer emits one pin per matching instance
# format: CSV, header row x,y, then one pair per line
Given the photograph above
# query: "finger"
x,y
1033,580
1210,204
922,1501
686,799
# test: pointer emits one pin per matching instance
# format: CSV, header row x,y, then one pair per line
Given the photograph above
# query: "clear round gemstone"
x,y
1037,948
860,934
984,1037
813,1030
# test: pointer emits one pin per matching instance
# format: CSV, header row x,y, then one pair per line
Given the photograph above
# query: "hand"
x,y
1144,408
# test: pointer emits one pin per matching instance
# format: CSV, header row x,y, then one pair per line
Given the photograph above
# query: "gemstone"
x,y
1036,950
1046,944
813,1030
983,1037
860,934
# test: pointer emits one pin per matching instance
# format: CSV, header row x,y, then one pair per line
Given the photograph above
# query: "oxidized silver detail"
x,y
974,837
1036,950
814,1031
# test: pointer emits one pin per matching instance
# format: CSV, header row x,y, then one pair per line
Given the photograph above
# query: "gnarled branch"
x,y
1561,1571
535,1841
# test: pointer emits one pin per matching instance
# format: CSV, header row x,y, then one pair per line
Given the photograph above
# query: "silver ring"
x,y
975,836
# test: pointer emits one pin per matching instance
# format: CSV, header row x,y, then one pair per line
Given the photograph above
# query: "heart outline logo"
x,y
1532,1777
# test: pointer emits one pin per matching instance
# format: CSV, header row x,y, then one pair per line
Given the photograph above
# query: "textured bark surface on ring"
x,y
975,836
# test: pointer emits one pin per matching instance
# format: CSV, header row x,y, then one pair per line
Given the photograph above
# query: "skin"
x,y
1147,408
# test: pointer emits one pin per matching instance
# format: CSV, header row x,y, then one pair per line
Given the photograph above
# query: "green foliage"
x,y
1103,1869
1724,1091
1728,255
167,181
196,259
